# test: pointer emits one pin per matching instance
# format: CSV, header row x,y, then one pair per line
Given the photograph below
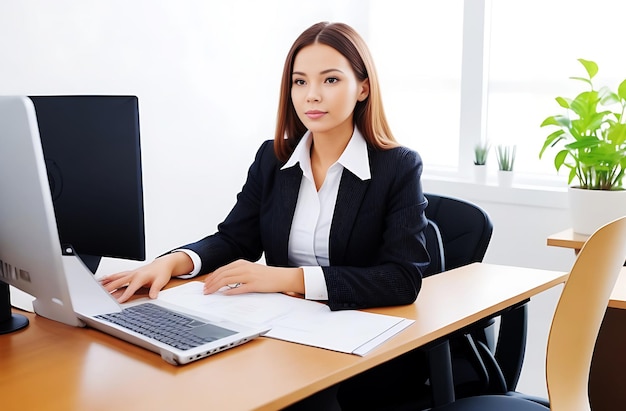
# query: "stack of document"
x,y
293,319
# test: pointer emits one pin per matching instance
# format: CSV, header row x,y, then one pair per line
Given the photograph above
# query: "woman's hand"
x,y
242,276
154,275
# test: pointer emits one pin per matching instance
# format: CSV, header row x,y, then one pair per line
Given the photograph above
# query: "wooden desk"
x,y
52,366
607,388
569,239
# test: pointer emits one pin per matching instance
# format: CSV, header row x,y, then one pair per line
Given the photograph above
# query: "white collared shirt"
x,y
310,229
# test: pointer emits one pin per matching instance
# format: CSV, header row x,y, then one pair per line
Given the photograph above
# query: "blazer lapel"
x,y
289,186
349,198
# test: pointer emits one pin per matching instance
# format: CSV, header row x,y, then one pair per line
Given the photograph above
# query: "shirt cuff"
x,y
314,284
197,263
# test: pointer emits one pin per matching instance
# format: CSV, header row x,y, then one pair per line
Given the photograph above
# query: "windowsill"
x,y
521,193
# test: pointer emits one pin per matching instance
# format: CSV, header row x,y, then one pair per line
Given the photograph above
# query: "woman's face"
x,y
324,90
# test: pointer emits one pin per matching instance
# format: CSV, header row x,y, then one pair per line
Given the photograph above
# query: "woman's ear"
x,y
365,90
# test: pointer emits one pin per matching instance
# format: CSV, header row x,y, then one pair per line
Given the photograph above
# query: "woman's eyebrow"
x,y
330,70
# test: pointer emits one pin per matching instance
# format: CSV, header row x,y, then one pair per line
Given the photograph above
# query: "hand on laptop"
x,y
153,276
243,276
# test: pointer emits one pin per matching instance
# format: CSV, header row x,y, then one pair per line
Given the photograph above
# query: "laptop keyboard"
x,y
169,327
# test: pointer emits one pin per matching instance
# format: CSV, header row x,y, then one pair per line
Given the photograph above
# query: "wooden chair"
x,y
575,326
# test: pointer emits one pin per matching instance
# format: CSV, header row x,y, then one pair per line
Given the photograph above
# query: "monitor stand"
x,y
9,321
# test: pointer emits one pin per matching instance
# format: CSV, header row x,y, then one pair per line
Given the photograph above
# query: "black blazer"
x,y
377,249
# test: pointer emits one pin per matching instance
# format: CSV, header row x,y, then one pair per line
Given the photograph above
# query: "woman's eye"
x,y
332,80
298,82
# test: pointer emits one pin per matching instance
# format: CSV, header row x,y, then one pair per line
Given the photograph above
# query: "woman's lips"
x,y
314,114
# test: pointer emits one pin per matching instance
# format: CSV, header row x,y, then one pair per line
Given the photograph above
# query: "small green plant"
x,y
481,151
506,157
592,134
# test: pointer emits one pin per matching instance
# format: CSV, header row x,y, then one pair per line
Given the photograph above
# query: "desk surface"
x,y
569,239
52,366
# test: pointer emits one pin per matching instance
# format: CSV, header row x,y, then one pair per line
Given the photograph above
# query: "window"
x,y
417,49
458,71
534,47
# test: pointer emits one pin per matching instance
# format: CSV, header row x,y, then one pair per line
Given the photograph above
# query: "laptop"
x,y
65,290
179,335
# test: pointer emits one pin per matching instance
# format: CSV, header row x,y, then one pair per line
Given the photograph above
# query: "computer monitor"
x,y
93,159
70,193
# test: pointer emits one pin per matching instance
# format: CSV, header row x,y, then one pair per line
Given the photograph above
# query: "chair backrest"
x,y
579,314
464,228
434,246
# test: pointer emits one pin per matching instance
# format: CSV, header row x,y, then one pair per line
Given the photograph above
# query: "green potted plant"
x,y
505,155
591,134
481,152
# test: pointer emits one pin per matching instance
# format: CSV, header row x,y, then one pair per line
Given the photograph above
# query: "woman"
x,y
334,202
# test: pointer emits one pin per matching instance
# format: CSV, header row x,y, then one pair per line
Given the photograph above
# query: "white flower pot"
x,y
480,173
591,209
505,178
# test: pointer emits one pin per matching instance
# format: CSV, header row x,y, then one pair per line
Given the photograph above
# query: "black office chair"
x,y
464,230
458,234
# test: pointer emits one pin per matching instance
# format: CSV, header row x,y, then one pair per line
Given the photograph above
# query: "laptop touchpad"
x,y
210,331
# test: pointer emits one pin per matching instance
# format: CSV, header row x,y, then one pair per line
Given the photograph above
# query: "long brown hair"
x,y
369,116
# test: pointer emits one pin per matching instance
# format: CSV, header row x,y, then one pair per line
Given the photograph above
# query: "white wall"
x,y
207,76
206,73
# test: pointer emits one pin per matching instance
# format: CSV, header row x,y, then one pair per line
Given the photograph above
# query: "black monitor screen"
x,y
93,158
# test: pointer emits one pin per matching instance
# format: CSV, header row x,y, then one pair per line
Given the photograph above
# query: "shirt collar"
x,y
301,152
355,157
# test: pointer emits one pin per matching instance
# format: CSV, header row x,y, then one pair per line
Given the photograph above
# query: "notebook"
x,y
32,259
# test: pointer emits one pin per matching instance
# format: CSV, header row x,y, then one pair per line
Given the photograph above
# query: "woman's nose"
x,y
313,94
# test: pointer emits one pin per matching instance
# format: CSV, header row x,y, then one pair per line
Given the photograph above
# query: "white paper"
x,y
293,319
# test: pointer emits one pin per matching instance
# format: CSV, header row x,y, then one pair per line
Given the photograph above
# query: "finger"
x,y
106,280
114,285
130,290
241,289
209,282
125,296
230,282
212,287
115,277
112,277
156,286
219,278
154,292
